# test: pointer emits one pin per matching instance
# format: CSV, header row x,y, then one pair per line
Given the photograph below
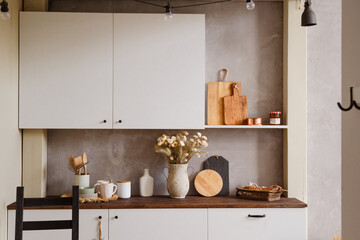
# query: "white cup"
x,y
106,189
82,180
124,189
97,185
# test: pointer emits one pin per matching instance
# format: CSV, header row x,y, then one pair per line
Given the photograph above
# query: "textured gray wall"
x,y
254,155
324,121
249,44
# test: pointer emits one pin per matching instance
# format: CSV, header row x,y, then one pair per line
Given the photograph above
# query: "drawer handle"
x,y
120,121
256,216
104,121
100,217
116,217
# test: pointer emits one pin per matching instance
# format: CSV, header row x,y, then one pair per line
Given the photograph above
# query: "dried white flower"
x,y
185,133
204,138
182,143
191,140
199,134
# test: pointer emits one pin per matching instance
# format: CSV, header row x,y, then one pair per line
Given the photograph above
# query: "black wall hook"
x,y
352,103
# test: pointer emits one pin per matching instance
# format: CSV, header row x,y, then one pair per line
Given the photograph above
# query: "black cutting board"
x,y
220,165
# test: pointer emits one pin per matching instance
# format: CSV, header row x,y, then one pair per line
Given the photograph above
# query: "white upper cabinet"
x,y
97,70
66,69
159,71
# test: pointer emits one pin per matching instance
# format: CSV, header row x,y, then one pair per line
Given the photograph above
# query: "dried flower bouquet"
x,y
180,149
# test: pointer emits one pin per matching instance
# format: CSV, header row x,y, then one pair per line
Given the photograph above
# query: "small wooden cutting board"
x,y
220,165
208,183
235,108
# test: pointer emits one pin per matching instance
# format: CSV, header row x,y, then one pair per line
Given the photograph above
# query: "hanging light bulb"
x,y
308,18
5,15
168,14
250,5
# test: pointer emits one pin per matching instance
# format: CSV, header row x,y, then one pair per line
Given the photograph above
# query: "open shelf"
x,y
248,126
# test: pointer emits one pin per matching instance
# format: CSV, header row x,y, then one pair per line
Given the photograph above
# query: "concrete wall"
x,y
324,121
350,120
10,136
249,44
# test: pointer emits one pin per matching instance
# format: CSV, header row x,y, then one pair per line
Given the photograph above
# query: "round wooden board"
x,y
208,183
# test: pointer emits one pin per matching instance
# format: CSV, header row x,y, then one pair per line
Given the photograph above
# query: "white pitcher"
x,y
178,180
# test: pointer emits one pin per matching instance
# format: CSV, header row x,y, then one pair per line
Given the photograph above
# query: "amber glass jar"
x,y
275,118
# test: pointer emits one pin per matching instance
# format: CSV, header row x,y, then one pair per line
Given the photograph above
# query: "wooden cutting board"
x,y
221,166
216,93
208,183
235,108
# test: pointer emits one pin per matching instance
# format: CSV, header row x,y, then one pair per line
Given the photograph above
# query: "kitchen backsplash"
x,y
250,45
254,155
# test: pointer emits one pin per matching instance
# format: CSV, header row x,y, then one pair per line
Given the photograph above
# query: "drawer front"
x,y
88,228
158,224
277,224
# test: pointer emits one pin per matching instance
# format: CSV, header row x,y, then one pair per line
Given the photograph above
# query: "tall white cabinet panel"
x,y
159,224
88,227
159,71
278,224
66,70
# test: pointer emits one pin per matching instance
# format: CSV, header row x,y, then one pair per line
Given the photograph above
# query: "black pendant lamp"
x,y
308,17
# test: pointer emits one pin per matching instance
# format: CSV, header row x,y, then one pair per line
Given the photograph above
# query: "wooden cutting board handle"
x,y
236,90
223,75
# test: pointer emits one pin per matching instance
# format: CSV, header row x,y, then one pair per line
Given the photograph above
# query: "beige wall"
x,y
350,120
10,136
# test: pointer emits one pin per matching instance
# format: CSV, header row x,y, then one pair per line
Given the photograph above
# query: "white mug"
x,y
124,189
97,185
106,189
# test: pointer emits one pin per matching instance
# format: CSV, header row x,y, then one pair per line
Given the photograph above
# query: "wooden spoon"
x,y
84,161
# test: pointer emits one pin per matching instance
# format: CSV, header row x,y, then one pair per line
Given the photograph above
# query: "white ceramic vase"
x,y
146,184
178,180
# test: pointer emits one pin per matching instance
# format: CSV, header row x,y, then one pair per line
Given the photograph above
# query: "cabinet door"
x,y
65,70
88,228
278,224
159,71
159,224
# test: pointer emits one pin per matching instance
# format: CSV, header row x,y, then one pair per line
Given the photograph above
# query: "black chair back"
x,y
22,202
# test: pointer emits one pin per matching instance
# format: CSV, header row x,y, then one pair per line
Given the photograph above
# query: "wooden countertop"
x,y
188,202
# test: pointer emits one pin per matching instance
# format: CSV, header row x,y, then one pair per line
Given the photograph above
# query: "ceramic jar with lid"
x,y
275,118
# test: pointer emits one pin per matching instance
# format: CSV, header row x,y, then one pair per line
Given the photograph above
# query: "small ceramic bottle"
x,y
146,184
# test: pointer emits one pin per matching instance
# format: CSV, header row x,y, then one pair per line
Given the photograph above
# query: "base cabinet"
x,y
88,228
159,224
174,224
257,224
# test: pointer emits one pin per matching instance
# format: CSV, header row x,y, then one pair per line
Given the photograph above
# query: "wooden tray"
x,y
258,194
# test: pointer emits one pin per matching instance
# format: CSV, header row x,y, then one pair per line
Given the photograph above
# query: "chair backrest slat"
x,y
36,202
75,214
47,225
19,213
